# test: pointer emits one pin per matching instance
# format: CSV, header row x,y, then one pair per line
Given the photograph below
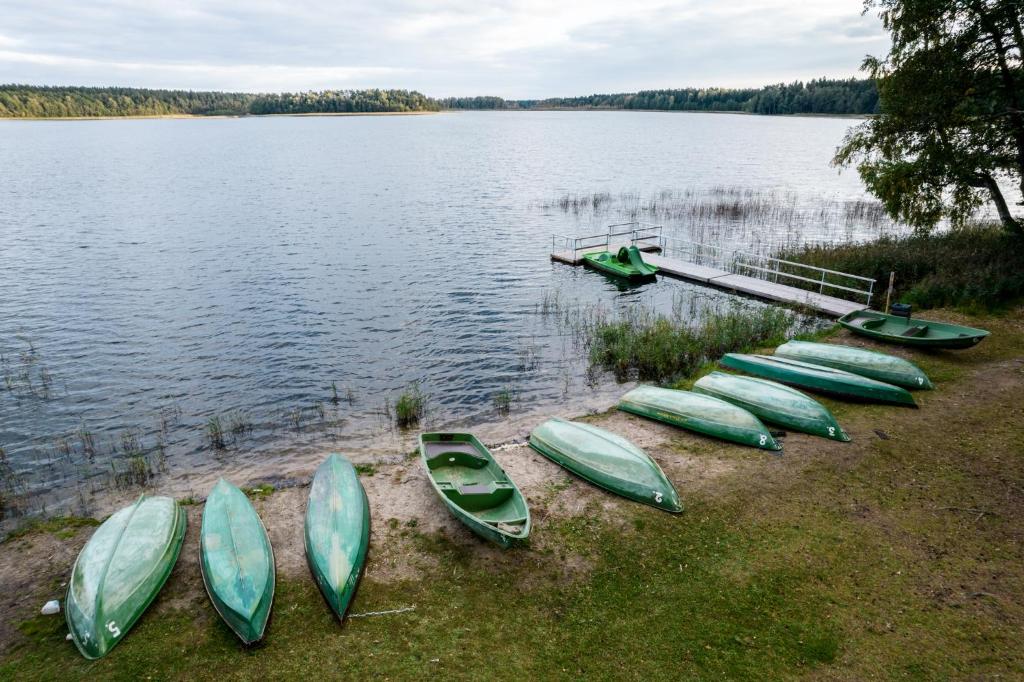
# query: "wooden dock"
x,y
723,279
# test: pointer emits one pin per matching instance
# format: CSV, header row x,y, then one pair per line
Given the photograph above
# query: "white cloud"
x,y
532,48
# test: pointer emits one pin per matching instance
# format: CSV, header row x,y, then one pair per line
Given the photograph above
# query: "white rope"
x,y
381,613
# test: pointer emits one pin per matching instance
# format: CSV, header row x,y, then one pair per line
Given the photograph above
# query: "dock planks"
x,y
752,286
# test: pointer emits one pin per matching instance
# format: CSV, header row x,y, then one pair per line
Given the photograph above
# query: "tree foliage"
x,y
821,96
951,127
29,101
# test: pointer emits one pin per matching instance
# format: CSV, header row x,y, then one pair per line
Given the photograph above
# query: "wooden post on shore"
x,y
888,294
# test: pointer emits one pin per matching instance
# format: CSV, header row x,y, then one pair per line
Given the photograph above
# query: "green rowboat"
x,y
120,571
627,263
475,489
237,561
867,363
701,413
818,378
911,332
337,531
606,460
772,402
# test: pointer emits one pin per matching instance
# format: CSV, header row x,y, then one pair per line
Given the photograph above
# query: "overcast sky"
x,y
449,47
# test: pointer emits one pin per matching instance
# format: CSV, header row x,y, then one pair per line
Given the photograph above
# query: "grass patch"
x,y
260,491
366,469
979,268
61,526
410,407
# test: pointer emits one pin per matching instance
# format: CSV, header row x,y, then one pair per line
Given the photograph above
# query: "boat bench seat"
x,y
457,458
916,330
477,496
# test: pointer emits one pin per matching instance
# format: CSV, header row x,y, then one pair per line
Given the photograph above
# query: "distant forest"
x,y
25,101
822,96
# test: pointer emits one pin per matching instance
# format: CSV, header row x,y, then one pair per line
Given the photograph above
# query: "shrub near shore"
x,y
659,348
979,268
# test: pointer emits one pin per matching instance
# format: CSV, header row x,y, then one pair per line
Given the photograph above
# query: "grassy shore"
x,y
898,555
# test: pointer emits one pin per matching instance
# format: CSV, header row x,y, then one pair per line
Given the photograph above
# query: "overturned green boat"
x,y
337,531
818,378
867,363
120,571
911,332
476,490
627,263
607,460
773,402
237,561
701,413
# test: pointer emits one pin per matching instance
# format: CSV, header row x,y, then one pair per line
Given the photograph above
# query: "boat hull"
x,y
119,572
774,403
704,414
337,531
606,460
237,562
818,378
879,366
476,490
911,332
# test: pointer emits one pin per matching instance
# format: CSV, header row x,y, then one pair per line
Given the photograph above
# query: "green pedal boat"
x,y
120,571
606,460
867,363
475,489
701,413
237,561
818,378
628,264
911,332
337,531
772,402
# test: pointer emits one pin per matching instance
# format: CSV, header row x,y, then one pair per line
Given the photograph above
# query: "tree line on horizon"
x,y
30,101
821,96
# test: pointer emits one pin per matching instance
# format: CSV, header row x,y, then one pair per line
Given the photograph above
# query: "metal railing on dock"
x,y
770,268
644,235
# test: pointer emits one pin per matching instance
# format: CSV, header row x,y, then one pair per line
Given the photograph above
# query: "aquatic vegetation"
x,y
137,473
28,377
366,469
12,488
410,406
529,357
238,423
131,444
503,400
215,433
334,394
87,441
654,347
750,218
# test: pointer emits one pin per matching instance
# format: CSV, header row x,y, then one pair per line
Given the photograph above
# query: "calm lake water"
x,y
157,273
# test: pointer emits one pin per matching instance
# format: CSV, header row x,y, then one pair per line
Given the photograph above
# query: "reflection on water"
x,y
183,299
